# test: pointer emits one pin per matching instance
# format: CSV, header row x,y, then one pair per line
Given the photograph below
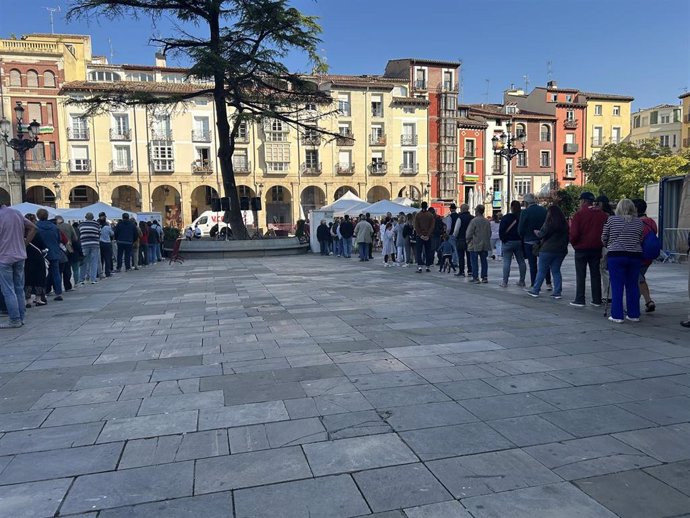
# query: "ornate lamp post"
x,y
504,146
20,144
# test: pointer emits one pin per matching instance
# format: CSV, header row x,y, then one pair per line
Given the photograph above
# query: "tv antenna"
x,y
52,11
461,81
526,78
549,70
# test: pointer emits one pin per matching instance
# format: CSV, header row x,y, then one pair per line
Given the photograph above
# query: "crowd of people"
x,y
40,257
611,245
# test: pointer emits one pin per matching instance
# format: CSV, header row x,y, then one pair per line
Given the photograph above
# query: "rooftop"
x,y
430,61
608,97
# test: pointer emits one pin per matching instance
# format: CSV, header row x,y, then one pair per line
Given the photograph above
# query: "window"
x,y
35,112
666,119
310,107
654,118
48,79
676,115
469,148
469,167
344,105
53,150
201,131
277,167
598,109
568,98
173,78
616,111
345,159
511,109
420,78
448,102
569,168
554,98
344,129
598,137
79,194
377,163
377,133
242,131
122,158
400,91
520,129
161,128
448,80
615,135
523,186
102,76
570,115
140,76
162,158
80,158
121,123
376,106
15,78
409,161
32,78
49,113
277,194
277,157
675,142
665,140
38,154
311,159
545,159
636,121
545,133
497,166
240,161
522,160
570,138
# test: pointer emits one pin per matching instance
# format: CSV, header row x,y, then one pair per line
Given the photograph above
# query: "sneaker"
x,y
632,319
40,302
616,320
459,274
549,287
419,270
485,281
475,281
58,298
531,293
503,284
12,324
557,297
520,284
94,282
405,265
595,304
428,269
577,304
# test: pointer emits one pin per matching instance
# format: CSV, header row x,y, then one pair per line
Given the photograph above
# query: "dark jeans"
x,y
532,260
54,279
625,275
435,243
424,247
107,258
464,256
476,258
124,249
364,251
66,270
323,244
584,259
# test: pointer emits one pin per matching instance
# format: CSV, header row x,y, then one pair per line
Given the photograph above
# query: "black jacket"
x,y
323,233
507,221
126,231
347,229
465,218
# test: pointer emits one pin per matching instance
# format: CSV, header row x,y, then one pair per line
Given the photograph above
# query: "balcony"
x,y
470,153
344,110
121,166
376,112
242,138
311,140
202,167
78,134
240,165
345,169
80,165
310,169
345,139
120,134
163,165
450,86
161,135
420,84
201,135
408,140
470,177
36,166
570,148
570,124
409,169
377,140
545,163
497,169
569,174
597,141
378,168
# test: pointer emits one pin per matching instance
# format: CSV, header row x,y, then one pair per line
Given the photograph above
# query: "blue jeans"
x,y
324,247
54,276
347,247
510,249
12,286
364,251
549,262
337,246
475,258
152,252
157,249
533,263
624,273
454,242
92,256
124,249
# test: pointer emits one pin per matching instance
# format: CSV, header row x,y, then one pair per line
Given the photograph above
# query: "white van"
x,y
211,223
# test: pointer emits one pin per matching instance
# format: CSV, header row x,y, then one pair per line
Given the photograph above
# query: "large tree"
x,y
622,170
238,47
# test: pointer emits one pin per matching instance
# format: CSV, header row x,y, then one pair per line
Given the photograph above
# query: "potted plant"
x,y
170,235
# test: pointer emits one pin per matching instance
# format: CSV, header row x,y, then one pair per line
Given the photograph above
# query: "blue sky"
x,y
634,47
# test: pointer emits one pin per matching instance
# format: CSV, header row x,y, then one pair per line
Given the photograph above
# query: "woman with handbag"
x,y
552,250
35,269
512,244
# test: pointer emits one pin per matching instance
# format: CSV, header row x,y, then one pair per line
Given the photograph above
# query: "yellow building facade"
x,y
685,99
608,120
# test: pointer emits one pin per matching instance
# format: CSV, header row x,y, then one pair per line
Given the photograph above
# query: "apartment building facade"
x,y
663,123
164,159
685,128
607,120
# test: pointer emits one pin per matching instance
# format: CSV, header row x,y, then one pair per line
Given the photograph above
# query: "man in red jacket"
x,y
585,236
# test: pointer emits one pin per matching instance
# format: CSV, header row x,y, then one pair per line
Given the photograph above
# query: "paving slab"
x,y
529,430
327,497
34,498
396,487
49,438
402,396
240,415
666,444
450,509
210,506
635,494
431,415
148,426
354,424
675,474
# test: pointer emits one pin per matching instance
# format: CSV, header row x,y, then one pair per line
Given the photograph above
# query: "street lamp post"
x,y
504,146
20,144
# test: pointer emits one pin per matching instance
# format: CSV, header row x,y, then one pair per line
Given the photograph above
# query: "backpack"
x,y
651,245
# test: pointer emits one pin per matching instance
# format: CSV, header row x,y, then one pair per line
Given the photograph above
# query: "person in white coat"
x,y
388,240
400,241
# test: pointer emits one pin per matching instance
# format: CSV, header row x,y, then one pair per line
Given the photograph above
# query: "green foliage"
x,y
622,170
569,197
171,233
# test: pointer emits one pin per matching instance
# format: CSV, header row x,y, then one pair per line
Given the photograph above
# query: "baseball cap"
x,y
587,196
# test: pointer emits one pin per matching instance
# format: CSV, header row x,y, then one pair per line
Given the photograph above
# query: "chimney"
x,y
551,85
160,60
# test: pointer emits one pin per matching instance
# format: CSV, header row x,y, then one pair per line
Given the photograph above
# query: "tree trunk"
x,y
226,140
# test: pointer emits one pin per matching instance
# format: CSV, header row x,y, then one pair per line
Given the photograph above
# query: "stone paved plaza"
x,y
320,387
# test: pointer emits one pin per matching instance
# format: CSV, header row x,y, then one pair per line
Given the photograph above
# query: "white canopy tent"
x,y
403,201
380,208
95,208
346,204
31,208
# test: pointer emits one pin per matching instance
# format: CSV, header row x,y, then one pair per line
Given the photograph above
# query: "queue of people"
x,y
609,245
40,257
